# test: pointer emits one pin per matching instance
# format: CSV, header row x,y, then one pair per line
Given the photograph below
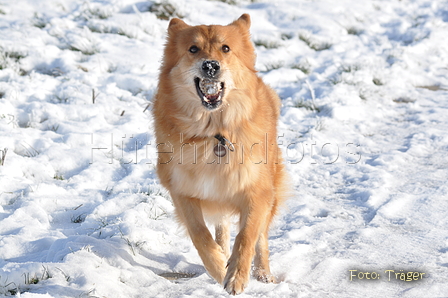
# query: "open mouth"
x,y
210,92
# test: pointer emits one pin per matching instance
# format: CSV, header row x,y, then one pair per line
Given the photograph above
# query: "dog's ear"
x,y
176,25
243,21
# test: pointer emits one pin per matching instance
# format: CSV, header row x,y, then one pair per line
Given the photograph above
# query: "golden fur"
x,y
249,181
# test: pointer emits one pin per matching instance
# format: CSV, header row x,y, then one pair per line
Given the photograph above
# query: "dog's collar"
x,y
225,142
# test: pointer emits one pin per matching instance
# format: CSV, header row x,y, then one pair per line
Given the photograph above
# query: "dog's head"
x,y
208,62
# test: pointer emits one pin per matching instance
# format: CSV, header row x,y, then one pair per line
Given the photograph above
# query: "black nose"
x,y
210,68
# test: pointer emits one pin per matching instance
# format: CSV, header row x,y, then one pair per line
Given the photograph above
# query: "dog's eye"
x,y
193,49
225,48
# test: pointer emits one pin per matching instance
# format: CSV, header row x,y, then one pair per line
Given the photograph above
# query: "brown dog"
x,y
215,125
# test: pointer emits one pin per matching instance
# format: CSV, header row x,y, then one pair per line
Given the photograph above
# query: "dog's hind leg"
x,y
222,235
254,218
262,271
190,214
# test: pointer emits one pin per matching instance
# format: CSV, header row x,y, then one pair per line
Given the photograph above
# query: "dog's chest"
x,y
215,182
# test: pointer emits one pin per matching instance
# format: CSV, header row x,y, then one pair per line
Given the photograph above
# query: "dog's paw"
x,y
236,280
215,265
264,276
235,284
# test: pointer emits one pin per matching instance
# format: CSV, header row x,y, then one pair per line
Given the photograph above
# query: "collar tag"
x,y
221,148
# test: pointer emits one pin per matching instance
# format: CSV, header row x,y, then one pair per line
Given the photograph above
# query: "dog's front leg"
x,y
252,223
190,213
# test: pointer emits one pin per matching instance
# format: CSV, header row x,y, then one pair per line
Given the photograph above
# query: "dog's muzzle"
x,y
210,92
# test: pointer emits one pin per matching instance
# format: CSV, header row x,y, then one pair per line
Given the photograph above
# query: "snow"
x,y
364,87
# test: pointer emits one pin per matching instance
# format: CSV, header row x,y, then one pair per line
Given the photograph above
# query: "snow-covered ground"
x,y
364,125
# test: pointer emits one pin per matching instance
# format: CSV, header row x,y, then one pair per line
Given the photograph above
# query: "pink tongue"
x,y
212,97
